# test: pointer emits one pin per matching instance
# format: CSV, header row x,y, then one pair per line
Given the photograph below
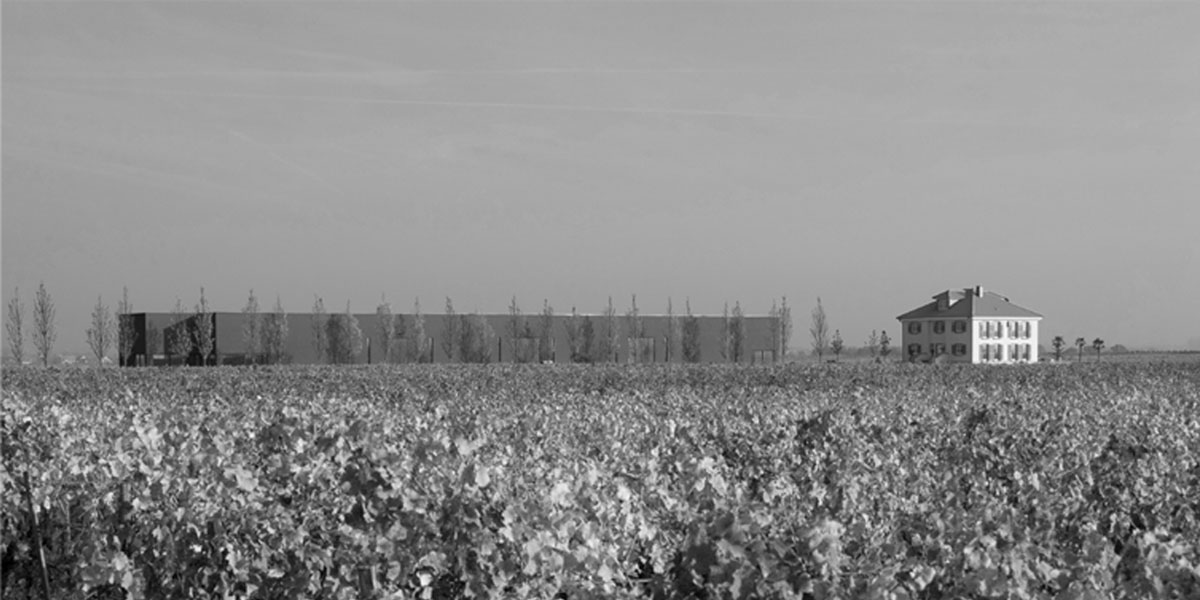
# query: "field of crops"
x,y
866,481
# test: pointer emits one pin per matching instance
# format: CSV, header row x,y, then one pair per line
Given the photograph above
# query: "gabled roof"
x,y
969,303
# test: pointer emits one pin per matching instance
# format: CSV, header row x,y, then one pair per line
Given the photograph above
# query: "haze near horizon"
x,y
872,154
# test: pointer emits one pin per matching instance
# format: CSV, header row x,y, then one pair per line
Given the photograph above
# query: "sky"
x,y
871,154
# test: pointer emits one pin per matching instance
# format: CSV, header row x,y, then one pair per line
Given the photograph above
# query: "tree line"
x,y
339,339
1059,344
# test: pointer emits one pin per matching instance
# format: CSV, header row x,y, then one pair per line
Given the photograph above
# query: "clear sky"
x,y
870,153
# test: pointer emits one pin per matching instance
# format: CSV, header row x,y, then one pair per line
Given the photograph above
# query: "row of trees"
x,y
338,338
1060,343
43,334
469,338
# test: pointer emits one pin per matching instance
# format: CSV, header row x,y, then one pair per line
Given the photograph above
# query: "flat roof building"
x,y
157,334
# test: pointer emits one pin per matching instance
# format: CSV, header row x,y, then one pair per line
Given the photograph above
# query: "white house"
x,y
970,326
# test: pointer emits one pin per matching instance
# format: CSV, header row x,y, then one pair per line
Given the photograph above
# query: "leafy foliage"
x,y
875,481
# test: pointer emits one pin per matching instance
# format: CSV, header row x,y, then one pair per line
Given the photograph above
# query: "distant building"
x,y
155,331
970,326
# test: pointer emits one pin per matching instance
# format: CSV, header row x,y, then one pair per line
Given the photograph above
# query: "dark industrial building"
x,y
156,333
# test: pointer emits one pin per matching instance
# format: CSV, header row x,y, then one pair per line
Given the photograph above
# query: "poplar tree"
x,y
180,342
674,335
785,328
44,333
319,340
612,334
691,335
14,327
275,333
252,330
635,332
726,335
451,332
574,331
126,332
100,334
205,340
819,330
737,333
387,328
545,335
417,350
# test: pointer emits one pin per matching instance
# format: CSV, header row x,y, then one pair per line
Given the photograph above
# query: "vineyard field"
x,y
563,481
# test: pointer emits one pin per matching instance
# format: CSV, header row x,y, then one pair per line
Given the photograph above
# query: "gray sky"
x,y
871,153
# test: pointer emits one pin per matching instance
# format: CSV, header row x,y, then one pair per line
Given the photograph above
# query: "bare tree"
x,y
545,333
1098,345
588,350
1080,343
387,328
737,333
725,347
43,324
100,334
574,331
14,327
519,334
345,338
611,334
776,332
451,332
275,333
180,342
252,329
691,335
418,352
837,345
126,332
478,337
785,328
320,341
819,330
873,343
635,344
674,334
205,340
885,344
1059,343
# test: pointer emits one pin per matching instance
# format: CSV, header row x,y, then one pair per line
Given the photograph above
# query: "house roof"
x,y
968,303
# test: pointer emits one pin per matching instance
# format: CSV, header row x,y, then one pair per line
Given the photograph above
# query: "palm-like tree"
x,y
1080,343
1059,344
1098,344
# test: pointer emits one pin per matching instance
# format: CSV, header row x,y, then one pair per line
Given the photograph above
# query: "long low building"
x,y
165,338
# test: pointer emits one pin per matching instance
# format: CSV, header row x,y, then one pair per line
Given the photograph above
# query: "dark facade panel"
x,y
157,329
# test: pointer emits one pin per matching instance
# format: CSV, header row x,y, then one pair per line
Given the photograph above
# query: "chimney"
x,y
979,291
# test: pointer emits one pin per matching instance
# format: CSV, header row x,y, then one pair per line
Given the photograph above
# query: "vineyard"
x,y
869,481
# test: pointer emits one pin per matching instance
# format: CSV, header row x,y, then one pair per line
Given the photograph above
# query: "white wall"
x,y
1004,339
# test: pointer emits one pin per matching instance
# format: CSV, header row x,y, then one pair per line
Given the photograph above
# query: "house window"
x,y
1027,351
1028,329
939,327
983,332
993,330
959,327
937,349
998,351
983,352
914,349
914,327
958,349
